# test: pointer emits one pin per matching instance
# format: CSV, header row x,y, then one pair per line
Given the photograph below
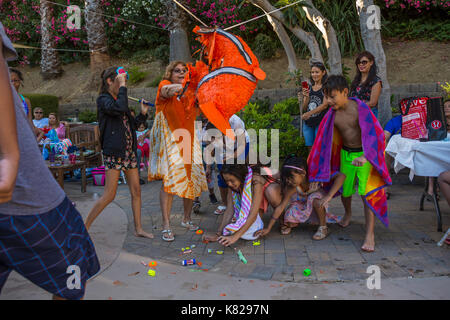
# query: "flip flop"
x,y
167,238
220,210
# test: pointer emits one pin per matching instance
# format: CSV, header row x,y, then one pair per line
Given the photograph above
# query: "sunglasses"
x,y
363,62
121,70
38,112
15,80
179,70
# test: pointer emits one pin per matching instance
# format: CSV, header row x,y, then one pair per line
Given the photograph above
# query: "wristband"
x,y
273,218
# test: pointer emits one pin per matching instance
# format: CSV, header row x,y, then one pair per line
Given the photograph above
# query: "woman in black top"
x,y
119,144
367,85
314,105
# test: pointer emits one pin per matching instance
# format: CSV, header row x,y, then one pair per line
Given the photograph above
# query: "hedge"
x,y
47,102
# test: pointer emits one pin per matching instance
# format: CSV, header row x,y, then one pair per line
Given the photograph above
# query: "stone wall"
x,y
87,101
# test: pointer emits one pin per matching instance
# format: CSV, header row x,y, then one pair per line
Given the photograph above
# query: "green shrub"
x,y
279,118
264,47
155,82
47,102
87,116
136,75
289,106
162,53
264,105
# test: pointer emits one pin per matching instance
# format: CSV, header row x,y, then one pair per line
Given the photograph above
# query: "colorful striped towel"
x,y
242,204
324,159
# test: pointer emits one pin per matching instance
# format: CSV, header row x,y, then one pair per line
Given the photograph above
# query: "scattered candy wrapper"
x,y
219,252
152,264
307,272
193,246
199,231
209,250
256,243
151,272
187,251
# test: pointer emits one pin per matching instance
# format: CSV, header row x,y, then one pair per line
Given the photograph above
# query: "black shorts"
x,y
53,250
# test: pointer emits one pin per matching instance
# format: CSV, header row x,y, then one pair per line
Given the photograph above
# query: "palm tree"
x,y
50,63
96,35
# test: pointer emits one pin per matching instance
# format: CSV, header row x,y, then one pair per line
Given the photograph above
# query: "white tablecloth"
x,y
427,159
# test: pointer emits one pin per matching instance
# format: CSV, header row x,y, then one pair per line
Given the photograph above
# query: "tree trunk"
x,y
50,63
96,36
306,37
179,43
328,34
285,41
369,19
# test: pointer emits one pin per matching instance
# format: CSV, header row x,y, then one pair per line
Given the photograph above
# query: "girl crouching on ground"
x,y
306,202
251,193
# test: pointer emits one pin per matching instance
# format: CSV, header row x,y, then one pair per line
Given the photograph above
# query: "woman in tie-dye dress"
x,y
174,160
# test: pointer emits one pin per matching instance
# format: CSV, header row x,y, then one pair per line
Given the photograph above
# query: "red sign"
x,y
436,124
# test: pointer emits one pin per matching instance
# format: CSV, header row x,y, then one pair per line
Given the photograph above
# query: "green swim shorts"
x,y
352,172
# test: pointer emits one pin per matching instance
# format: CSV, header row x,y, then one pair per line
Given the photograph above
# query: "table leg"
x,y
83,178
61,178
432,197
436,205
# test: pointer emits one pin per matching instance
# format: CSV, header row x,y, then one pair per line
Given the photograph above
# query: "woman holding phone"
x,y
314,106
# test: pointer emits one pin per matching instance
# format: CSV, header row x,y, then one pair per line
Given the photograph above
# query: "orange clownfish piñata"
x,y
226,83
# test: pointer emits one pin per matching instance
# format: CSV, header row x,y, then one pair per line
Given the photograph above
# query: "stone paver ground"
x,y
406,249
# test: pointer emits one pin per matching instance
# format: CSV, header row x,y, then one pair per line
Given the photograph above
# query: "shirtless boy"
x,y
353,162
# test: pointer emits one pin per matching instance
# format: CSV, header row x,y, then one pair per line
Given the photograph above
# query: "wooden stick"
x,y
185,9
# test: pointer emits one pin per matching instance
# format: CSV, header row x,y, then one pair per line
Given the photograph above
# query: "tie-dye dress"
x,y
177,161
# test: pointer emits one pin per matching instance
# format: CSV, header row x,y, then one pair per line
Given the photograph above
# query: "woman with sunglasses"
x,y
17,82
119,144
366,85
175,160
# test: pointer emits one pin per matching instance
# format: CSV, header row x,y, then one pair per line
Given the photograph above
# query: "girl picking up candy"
x,y
305,201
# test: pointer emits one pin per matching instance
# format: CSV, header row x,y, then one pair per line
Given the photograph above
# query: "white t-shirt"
x,y
40,123
238,126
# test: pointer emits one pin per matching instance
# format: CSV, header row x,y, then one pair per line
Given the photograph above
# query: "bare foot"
x,y
142,233
369,244
345,221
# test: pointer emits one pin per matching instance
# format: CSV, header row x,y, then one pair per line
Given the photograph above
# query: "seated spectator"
x,y
394,126
39,121
59,126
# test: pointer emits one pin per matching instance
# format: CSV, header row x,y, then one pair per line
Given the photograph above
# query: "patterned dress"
x,y
130,159
178,164
301,210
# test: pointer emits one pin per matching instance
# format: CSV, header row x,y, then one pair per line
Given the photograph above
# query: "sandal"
x,y
220,210
196,207
168,235
189,225
285,230
321,233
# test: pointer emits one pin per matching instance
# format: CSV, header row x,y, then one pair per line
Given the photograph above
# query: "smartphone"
x,y
305,84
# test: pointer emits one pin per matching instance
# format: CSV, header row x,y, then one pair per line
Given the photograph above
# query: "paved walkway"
x,y
412,266
406,248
